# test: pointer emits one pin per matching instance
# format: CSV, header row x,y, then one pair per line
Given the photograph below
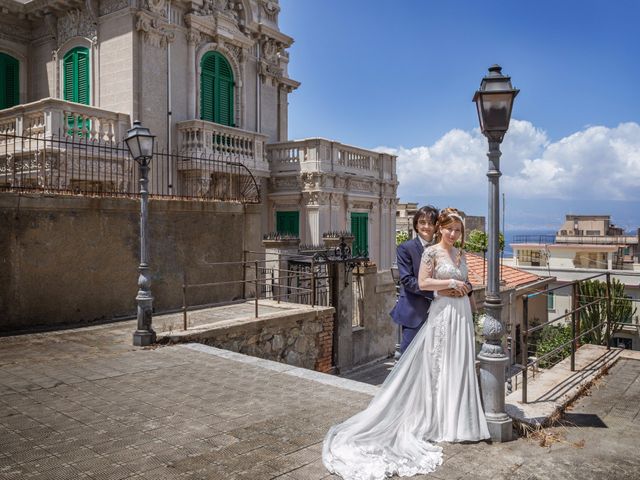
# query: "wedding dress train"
x,y
431,395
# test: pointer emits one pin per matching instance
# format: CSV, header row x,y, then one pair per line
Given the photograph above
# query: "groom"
x,y
412,308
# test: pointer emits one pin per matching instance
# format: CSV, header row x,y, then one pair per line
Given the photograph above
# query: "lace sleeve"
x,y
464,270
428,261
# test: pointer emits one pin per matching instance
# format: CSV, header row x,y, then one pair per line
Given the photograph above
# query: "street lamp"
x,y
494,101
140,144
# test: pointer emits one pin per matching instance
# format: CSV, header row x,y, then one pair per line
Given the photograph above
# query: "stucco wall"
x,y
377,336
68,260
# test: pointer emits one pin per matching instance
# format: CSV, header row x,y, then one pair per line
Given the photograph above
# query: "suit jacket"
x,y
413,304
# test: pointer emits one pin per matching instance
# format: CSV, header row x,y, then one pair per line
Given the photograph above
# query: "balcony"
x,y
324,156
52,117
202,140
57,146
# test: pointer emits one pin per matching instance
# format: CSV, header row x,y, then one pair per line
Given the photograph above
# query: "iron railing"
x,y
82,165
529,360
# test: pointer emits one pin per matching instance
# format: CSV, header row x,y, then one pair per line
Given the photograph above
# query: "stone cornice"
x,y
216,25
269,32
155,28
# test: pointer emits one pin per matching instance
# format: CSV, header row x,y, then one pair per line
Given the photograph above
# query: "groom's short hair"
x,y
428,211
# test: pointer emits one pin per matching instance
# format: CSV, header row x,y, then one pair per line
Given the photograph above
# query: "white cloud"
x,y
595,163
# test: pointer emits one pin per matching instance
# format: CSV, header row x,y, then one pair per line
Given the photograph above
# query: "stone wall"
x,y
302,338
73,260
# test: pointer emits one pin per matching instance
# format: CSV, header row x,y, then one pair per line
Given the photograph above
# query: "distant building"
x,y
404,218
406,211
585,245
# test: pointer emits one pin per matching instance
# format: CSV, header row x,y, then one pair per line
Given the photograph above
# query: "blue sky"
x,y
399,75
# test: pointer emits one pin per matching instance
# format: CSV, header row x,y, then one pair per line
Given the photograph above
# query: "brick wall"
x,y
325,346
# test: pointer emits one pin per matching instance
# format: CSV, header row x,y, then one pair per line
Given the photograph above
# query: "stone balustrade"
x,y
203,139
52,117
321,155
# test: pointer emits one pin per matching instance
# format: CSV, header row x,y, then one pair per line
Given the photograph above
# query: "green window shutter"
x,y
76,76
216,89
68,82
83,93
288,223
9,81
207,80
360,230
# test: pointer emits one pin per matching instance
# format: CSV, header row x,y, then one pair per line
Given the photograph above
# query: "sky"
x,y
399,75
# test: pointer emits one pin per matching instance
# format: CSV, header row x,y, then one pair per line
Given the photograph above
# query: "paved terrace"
x,y
86,404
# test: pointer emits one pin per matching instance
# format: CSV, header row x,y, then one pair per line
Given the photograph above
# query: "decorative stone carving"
x,y
154,30
194,37
271,7
157,6
315,199
229,8
235,50
76,23
110,6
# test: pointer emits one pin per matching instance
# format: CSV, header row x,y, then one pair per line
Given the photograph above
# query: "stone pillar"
x,y
193,38
342,301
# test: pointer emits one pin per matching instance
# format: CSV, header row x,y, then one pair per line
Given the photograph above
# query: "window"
x,y
360,230
551,301
76,75
216,89
288,223
9,81
76,87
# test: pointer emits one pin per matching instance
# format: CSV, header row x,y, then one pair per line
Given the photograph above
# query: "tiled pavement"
x,y
85,404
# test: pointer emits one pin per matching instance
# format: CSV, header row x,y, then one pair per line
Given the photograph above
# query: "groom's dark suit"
x,y
412,307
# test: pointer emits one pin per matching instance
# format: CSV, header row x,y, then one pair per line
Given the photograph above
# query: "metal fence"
x,y
526,343
76,165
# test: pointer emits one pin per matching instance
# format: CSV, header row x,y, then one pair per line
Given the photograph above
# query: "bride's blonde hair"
x,y
446,217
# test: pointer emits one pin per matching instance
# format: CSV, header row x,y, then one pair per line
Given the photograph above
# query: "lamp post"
x,y
140,144
494,101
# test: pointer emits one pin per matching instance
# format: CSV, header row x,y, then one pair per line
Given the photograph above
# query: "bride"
x,y
431,395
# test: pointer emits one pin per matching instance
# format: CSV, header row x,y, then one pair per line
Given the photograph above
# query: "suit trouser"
x,y
408,333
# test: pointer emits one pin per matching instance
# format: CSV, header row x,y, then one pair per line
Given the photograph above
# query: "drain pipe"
x,y
169,102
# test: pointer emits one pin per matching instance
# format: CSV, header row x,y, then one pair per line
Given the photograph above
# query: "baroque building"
x,y
210,79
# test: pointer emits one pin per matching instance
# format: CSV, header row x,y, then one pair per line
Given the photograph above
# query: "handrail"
x,y
606,323
291,292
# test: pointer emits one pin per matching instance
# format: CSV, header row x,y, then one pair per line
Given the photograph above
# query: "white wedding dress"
x,y
431,395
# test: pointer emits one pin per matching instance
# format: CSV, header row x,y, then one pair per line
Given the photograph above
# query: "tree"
x,y
401,236
478,242
551,337
622,309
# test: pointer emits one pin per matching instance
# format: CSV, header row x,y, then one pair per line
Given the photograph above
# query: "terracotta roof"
x,y
511,276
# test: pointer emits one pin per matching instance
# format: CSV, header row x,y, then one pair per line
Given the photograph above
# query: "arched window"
x,y
76,75
9,81
216,89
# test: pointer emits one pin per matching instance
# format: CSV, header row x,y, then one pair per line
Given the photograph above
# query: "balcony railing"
x,y
321,155
577,239
51,117
199,138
